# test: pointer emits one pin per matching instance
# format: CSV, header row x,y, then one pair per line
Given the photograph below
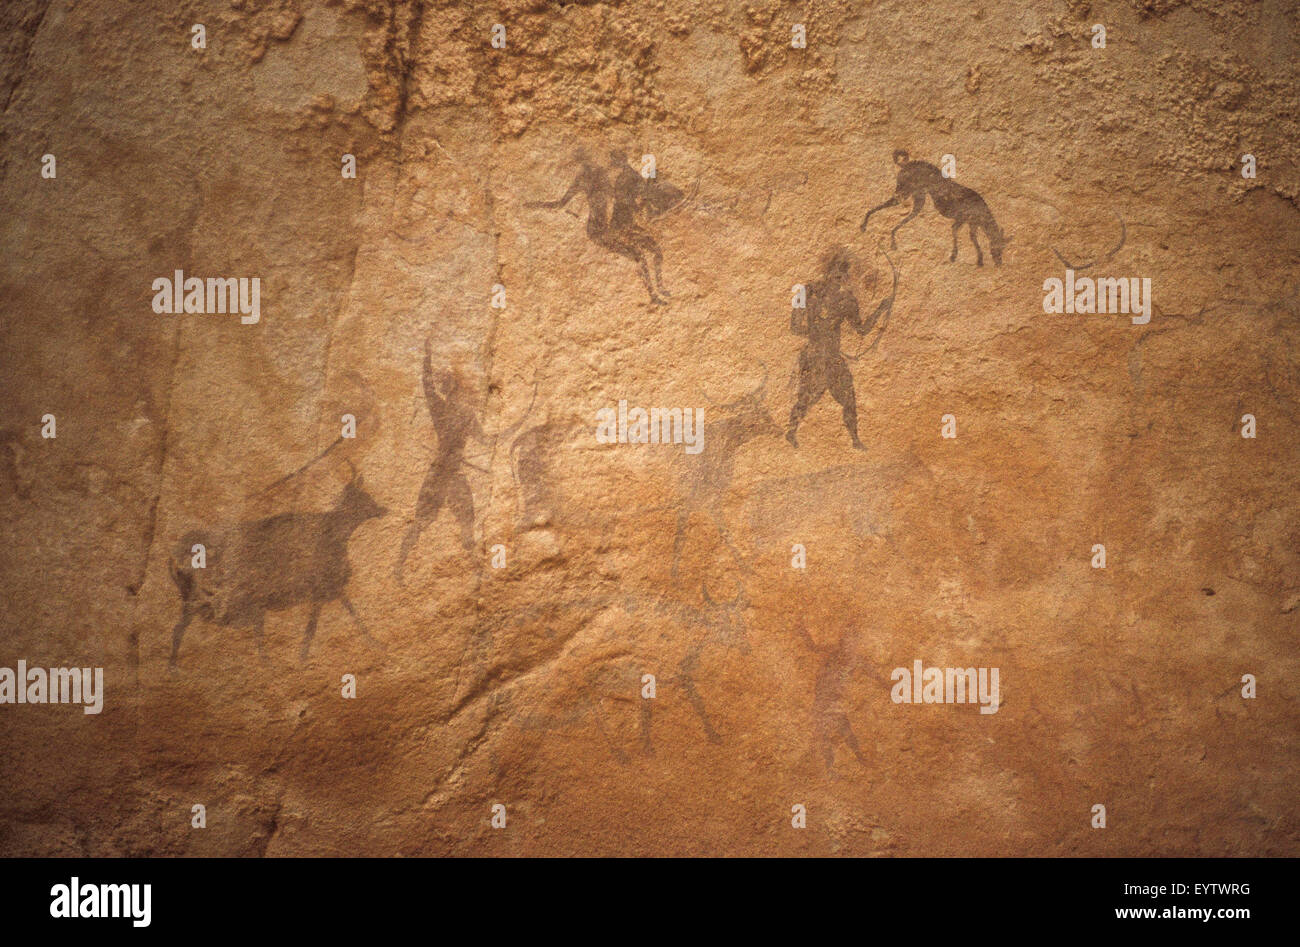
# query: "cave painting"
x,y
620,201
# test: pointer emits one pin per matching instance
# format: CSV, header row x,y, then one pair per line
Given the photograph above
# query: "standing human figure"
x,y
455,421
830,303
830,721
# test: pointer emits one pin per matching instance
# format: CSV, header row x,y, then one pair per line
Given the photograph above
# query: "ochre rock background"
x,y
521,685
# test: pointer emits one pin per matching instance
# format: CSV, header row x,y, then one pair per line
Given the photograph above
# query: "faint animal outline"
x,y
724,624
684,677
1077,267
707,477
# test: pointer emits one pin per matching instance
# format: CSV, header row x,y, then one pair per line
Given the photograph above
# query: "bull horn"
x,y
1123,235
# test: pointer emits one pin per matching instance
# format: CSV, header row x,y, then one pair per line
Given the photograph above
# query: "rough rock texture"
x,y
521,685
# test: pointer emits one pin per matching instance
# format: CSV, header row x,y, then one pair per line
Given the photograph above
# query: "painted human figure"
x,y
830,722
455,421
830,303
614,209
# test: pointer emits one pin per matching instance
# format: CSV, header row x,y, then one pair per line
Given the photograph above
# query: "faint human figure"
x,y
593,183
616,210
455,421
830,722
535,454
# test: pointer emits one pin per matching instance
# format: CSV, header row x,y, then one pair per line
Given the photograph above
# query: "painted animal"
x,y
707,476
610,669
960,204
270,564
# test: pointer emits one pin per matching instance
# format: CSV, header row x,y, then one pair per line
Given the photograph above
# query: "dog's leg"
x,y
311,629
918,204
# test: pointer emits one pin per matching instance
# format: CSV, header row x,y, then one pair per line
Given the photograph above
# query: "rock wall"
x,y
497,579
